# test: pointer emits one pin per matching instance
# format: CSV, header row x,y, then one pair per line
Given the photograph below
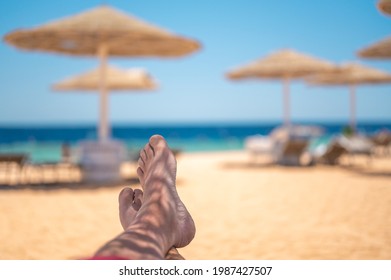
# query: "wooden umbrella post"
x,y
103,114
286,82
353,107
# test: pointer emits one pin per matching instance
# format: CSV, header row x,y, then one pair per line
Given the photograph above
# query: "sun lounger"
x,y
330,153
292,143
382,141
12,166
286,145
357,145
290,152
259,144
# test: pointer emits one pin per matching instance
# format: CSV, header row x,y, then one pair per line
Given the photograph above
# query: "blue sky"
x,y
193,88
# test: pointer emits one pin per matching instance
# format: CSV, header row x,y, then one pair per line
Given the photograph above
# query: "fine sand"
x,y
242,210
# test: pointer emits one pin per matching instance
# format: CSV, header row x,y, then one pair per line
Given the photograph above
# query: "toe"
x,y
157,141
140,174
149,150
143,154
125,197
138,194
141,163
138,199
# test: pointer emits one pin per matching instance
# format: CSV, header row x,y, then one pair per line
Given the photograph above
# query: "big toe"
x,y
157,141
125,197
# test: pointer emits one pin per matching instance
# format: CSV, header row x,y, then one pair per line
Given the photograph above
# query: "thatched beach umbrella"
x,y
379,50
284,65
102,31
117,80
351,74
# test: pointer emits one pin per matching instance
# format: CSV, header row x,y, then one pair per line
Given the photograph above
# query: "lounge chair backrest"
x,y
333,153
295,147
18,159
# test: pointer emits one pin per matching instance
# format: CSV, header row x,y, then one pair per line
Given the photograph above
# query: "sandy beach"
x,y
242,210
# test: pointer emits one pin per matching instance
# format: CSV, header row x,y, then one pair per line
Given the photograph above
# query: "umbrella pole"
x,y
103,112
286,102
353,107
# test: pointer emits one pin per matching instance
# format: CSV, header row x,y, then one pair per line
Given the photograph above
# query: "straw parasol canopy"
x,y
117,80
102,31
351,74
384,6
284,65
86,33
379,50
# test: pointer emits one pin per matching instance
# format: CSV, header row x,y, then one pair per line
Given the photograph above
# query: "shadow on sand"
x,y
361,170
245,165
131,181
258,165
365,171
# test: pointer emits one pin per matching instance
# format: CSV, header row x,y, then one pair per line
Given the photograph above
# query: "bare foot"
x,y
130,202
157,172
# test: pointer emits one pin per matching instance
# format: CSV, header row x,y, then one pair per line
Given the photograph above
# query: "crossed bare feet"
x,y
156,220
129,203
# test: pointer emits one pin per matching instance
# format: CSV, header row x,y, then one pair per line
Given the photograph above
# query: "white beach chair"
x,y
291,143
357,145
259,144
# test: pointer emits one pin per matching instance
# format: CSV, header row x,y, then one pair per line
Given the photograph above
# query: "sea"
x,y
42,143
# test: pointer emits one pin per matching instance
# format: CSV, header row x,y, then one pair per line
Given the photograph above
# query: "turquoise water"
x,y
38,152
51,151
195,145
